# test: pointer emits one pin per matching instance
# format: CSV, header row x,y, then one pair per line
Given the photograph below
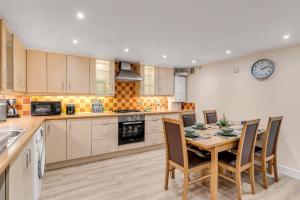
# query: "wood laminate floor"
x,y
141,177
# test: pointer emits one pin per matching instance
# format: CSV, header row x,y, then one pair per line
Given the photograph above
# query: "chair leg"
x,y
167,176
270,167
173,173
252,178
264,175
185,185
238,185
275,169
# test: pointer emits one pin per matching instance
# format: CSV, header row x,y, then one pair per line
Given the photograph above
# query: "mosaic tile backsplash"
x,y
124,98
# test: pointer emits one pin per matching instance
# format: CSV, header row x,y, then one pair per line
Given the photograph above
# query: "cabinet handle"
x,y
29,156
19,80
70,126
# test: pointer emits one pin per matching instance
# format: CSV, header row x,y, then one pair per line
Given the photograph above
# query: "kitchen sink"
x,y
11,135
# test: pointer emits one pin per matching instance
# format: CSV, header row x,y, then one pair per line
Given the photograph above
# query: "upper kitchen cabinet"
x,y
6,57
165,81
56,73
149,85
19,66
36,71
78,76
180,89
104,77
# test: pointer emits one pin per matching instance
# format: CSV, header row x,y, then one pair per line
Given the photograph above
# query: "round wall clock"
x,y
263,69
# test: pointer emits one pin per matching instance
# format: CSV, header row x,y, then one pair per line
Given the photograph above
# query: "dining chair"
x,y
268,152
188,119
210,116
178,157
243,160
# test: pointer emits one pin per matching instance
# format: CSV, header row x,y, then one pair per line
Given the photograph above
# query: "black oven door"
x,y
131,132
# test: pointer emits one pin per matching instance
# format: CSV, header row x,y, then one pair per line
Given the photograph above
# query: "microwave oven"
x,y
44,108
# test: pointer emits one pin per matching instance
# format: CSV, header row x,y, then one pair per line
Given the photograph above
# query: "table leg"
x,y
214,174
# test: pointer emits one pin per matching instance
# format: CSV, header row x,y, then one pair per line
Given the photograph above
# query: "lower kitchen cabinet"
x,y
20,176
153,138
104,135
79,141
56,141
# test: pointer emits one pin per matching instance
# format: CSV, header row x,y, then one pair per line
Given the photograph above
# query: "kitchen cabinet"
x,y
165,81
6,57
79,138
56,141
36,71
2,186
153,130
104,135
149,85
104,79
20,176
180,89
19,66
78,75
56,73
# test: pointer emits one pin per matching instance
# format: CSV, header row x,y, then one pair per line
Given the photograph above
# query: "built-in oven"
x,y
44,108
131,129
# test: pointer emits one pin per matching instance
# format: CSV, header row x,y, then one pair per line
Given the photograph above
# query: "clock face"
x,y
263,69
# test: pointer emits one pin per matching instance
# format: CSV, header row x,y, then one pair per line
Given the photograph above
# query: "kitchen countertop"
x,y
31,124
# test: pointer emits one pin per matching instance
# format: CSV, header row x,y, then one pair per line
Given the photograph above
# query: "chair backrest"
x,y
210,116
247,142
188,119
271,136
176,149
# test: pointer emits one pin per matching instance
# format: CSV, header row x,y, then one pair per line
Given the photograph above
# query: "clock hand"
x,y
265,67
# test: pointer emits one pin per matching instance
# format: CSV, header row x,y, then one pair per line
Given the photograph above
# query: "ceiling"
x,y
182,29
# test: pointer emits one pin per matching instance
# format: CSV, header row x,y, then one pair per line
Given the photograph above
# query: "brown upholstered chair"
x,y
244,159
268,152
210,116
188,119
178,157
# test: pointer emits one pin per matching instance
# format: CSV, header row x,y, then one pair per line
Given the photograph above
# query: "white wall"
x,y
240,96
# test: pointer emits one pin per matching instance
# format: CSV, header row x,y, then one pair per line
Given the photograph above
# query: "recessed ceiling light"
x,y
164,56
126,50
287,36
75,41
80,15
193,61
228,52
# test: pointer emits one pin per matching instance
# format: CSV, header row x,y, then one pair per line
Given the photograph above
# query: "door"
x,y
57,73
56,141
78,75
36,72
19,66
79,140
166,81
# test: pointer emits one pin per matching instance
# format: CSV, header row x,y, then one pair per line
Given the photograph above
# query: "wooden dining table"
x,y
214,143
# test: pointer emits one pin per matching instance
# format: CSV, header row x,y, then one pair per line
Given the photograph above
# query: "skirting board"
x,y
289,171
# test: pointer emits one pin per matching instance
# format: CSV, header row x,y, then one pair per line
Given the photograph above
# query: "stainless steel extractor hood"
x,y
126,73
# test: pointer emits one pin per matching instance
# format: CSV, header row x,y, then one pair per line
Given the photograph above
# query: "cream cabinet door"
x,y
16,187
78,75
166,81
149,84
19,66
57,73
56,141
36,71
79,140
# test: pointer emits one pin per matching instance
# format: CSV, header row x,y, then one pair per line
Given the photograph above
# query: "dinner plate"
x,y
191,135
